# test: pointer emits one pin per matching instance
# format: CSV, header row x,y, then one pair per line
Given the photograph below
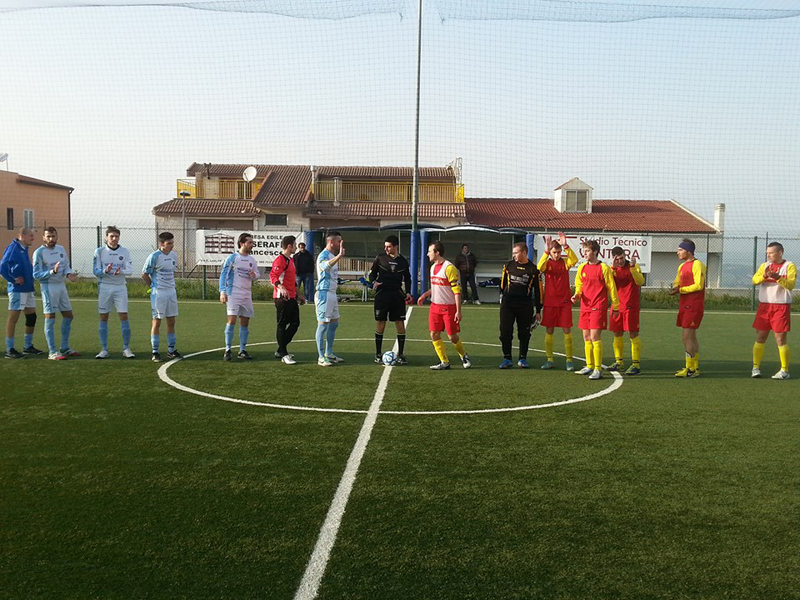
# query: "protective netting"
x,y
697,104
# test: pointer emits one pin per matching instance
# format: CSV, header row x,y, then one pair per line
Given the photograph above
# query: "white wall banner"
x,y
637,247
214,246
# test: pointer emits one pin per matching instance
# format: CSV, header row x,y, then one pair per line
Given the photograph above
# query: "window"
x,y
576,200
276,220
10,218
27,219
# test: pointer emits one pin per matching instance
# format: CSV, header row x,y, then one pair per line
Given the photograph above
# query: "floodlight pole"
x,y
416,251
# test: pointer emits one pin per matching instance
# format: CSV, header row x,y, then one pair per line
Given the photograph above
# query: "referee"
x,y
388,277
520,299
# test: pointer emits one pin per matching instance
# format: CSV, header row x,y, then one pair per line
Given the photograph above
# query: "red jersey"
x,y
691,279
628,280
283,272
595,284
557,290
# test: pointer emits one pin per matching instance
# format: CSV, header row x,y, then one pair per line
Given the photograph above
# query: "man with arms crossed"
x,y
594,285
236,291
629,279
690,284
775,279
388,276
17,270
304,267
557,311
287,311
326,301
159,274
51,266
445,314
112,264
520,301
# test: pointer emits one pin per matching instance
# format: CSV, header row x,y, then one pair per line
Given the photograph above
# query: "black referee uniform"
x,y
393,273
520,297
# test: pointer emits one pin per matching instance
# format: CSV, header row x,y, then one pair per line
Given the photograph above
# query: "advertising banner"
x,y
637,247
214,246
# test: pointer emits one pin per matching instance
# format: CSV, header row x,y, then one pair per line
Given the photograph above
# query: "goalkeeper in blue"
x,y
51,268
159,274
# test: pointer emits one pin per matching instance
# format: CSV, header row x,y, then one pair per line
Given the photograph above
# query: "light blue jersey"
x,y
327,275
121,266
235,277
45,260
161,268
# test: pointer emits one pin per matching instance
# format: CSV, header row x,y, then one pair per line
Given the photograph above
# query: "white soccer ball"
x,y
389,358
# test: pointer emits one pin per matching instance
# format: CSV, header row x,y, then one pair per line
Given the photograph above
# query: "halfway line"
x,y
309,585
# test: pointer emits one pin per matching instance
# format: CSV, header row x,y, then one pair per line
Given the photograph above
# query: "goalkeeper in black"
x,y
389,277
520,301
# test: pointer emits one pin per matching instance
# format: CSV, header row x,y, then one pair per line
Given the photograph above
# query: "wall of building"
x,y
50,207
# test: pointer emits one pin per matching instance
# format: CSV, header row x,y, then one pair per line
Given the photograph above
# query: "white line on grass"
x,y
309,585
164,376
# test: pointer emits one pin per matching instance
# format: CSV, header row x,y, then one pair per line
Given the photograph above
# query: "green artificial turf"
x,y
115,485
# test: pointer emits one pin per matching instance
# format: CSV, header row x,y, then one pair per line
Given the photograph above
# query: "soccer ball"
x,y
389,358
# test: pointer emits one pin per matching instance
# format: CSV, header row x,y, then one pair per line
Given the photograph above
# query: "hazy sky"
x,y
117,101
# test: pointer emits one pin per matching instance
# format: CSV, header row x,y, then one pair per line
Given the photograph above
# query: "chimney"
x,y
313,179
719,217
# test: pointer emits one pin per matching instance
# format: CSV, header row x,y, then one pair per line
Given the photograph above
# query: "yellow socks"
x,y
636,350
618,344
696,361
567,346
460,348
598,354
589,352
758,354
548,346
438,345
784,352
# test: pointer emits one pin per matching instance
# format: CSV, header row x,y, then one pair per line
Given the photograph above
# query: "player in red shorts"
x,y
594,285
629,279
690,284
776,279
557,301
445,315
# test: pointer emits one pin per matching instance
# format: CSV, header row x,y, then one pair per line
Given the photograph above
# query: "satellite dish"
x,y
249,174
3,157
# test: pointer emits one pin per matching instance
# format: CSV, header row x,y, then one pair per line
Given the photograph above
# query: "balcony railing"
x,y
218,188
329,191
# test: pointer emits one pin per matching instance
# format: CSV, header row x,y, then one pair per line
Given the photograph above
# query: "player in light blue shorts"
x,y
112,264
235,291
51,267
326,300
159,274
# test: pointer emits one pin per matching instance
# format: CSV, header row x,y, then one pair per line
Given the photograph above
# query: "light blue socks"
x,y
103,333
155,342
228,336
244,333
126,333
66,328
50,334
171,342
331,334
322,330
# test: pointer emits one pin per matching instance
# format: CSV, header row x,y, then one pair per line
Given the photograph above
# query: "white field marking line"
x,y
162,374
309,585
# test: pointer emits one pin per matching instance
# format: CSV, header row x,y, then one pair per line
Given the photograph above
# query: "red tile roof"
x,y
649,216
386,210
207,208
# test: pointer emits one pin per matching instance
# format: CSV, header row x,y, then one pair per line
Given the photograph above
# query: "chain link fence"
x,y
730,260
